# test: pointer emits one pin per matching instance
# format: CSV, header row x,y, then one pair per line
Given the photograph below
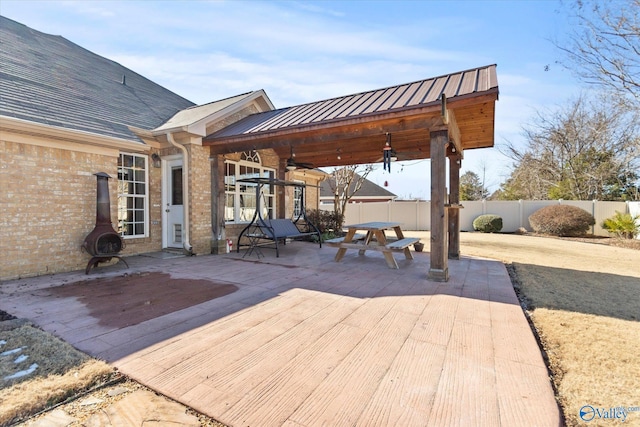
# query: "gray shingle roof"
x,y
49,80
368,189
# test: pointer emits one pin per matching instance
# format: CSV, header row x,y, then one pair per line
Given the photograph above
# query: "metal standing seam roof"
x,y
395,98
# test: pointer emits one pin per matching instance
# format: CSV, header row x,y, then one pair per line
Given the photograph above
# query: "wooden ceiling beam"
x,y
406,144
326,135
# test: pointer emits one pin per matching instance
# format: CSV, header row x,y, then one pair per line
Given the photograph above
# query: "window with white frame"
x,y
133,198
240,197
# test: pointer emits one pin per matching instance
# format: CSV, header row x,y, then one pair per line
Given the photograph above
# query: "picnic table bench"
x,y
366,242
355,238
402,244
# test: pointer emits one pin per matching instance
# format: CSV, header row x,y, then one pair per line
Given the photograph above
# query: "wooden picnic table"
x,y
374,239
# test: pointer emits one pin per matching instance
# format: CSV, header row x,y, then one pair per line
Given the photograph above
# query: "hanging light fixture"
x,y
156,161
388,154
291,163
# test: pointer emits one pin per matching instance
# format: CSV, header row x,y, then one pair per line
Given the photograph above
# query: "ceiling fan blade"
x,y
291,161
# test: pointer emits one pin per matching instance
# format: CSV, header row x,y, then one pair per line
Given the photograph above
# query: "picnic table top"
x,y
374,225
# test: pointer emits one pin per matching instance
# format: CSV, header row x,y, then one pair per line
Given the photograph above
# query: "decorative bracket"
x,y
449,119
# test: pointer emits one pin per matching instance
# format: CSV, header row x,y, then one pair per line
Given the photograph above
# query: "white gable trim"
x,y
199,127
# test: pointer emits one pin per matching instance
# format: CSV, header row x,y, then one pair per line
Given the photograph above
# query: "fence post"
x,y
593,214
521,212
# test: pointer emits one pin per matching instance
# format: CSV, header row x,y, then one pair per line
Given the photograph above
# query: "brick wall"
x,y
200,199
49,201
48,206
231,119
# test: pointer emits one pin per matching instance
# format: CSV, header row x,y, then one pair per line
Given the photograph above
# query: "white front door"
x,y
173,219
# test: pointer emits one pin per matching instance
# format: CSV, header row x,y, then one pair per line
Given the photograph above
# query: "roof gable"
x,y
196,119
47,79
353,129
407,96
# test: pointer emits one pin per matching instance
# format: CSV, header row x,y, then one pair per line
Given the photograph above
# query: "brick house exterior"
x,y
66,114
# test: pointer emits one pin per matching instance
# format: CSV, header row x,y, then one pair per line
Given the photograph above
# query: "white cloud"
x,y
301,51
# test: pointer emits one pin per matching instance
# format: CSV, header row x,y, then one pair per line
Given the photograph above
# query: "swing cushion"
x,y
281,228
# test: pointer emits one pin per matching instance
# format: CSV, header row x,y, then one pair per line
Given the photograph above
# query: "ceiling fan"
x,y
293,165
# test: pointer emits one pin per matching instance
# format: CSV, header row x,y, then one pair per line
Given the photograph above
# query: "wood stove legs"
x,y
93,262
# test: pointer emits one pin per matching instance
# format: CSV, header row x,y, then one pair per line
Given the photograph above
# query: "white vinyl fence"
x,y
415,215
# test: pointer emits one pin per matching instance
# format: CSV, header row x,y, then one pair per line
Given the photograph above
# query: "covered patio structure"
x,y
436,118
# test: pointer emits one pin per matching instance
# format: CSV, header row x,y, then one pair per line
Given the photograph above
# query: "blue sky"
x,y
304,51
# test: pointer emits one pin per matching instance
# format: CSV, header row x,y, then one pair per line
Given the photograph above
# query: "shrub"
x,y
326,221
622,225
561,220
488,223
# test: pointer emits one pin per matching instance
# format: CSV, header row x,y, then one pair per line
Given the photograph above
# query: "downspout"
x,y
185,189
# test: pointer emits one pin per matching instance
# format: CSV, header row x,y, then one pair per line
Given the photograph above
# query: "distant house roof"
x,y
49,80
369,190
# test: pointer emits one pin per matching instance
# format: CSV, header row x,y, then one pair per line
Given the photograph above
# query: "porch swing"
x,y
268,232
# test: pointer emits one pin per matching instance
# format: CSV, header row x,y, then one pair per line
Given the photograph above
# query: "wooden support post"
x,y
438,270
455,162
218,235
281,191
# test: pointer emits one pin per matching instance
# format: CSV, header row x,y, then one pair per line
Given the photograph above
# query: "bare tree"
x,y
590,149
345,182
604,48
528,180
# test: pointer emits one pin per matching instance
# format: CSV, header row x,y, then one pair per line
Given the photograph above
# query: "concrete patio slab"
x,y
306,341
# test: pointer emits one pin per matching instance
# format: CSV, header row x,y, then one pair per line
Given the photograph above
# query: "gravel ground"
x,y
84,406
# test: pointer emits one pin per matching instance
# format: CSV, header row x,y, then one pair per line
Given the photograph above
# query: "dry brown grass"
x,y
62,371
594,360
588,324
